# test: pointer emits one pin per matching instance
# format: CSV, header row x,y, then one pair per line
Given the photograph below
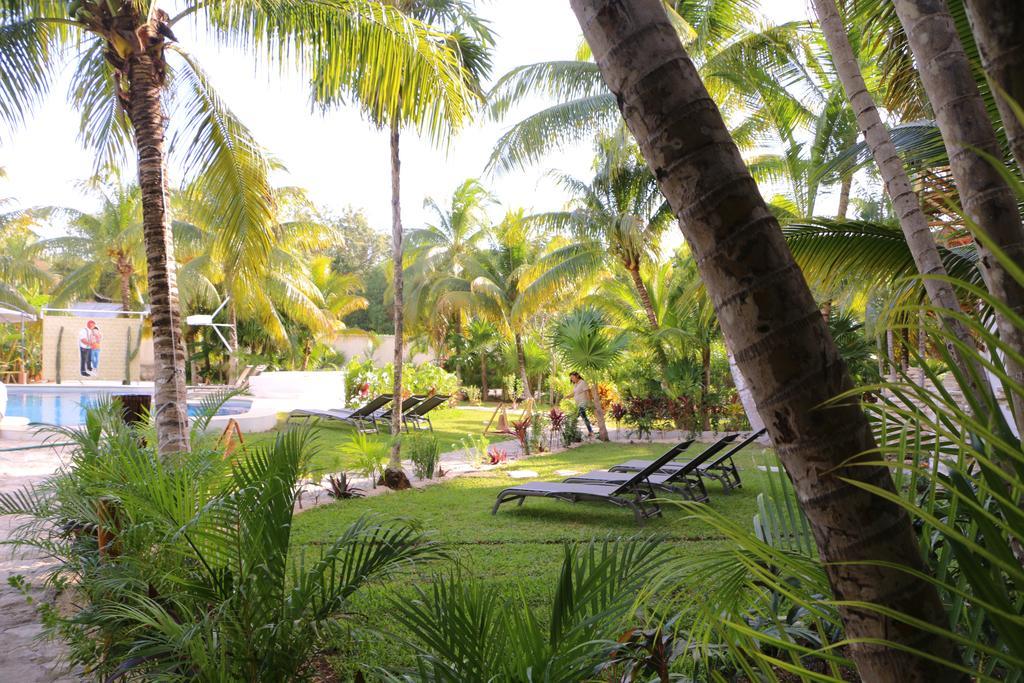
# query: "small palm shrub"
x,y
369,456
465,631
194,580
424,451
340,486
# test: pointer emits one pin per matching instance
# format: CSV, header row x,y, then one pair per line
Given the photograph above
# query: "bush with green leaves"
x,y
424,451
416,379
571,430
463,630
195,579
369,455
473,395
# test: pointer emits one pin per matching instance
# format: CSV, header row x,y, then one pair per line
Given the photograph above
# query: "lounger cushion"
x,y
544,488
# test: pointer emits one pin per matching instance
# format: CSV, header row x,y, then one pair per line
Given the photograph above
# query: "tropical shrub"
x,y
424,451
180,566
472,394
571,430
512,387
465,631
363,376
369,456
641,414
475,448
340,486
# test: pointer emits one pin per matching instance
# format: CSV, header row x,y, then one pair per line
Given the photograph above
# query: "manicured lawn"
x,y
451,425
521,547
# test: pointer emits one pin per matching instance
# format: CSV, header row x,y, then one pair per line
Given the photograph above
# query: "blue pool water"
x,y
68,406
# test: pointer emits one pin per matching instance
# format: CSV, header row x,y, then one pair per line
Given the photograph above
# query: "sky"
x,y
341,160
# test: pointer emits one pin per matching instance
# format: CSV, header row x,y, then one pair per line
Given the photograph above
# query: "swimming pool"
x,y
65,407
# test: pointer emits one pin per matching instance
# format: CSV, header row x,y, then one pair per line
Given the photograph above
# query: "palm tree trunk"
x,y
998,27
987,198
602,428
705,386
906,203
483,375
782,344
844,194
521,358
124,271
145,108
232,340
394,475
645,296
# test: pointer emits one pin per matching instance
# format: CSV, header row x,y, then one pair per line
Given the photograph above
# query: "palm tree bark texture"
x,y
998,27
394,475
782,344
973,149
905,201
145,73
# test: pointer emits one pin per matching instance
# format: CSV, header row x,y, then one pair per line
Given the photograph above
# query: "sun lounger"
x,y
241,383
418,416
684,481
365,418
635,493
384,416
637,465
723,468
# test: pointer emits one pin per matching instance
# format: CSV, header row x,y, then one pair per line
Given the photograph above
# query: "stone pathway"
x,y
24,657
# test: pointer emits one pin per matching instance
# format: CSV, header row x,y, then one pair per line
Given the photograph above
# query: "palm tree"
x,y
913,222
106,249
21,259
496,280
121,49
436,105
970,138
441,250
620,216
481,342
778,335
590,346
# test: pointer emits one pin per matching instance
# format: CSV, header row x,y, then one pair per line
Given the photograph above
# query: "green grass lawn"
x,y
451,425
520,547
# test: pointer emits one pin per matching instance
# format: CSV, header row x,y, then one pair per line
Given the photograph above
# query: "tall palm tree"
x,y
481,342
590,346
121,50
970,138
441,250
105,247
912,220
21,258
618,216
779,337
435,106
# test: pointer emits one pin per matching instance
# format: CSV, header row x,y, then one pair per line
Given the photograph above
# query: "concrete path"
x,y
24,657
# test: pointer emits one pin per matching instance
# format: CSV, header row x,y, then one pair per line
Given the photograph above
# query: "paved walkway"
x,y
24,658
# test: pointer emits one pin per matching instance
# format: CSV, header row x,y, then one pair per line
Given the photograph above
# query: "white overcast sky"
x,y
338,157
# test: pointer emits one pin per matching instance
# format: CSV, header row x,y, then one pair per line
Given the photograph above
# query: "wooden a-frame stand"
x,y
501,413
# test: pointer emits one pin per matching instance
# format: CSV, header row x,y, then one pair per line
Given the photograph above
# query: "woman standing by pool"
x,y
85,349
94,357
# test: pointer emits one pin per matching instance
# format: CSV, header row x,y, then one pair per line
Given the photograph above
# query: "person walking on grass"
x,y
581,394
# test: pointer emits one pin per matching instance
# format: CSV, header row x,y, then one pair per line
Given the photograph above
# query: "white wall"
x,y
384,352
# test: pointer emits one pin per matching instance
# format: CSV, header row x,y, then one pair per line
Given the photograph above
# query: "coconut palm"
x,y
718,35
21,259
442,249
435,106
618,216
121,50
105,249
779,338
589,345
482,339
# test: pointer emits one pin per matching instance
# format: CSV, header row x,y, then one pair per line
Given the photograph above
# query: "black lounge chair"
x,y
637,465
635,493
407,405
363,418
684,481
723,468
418,417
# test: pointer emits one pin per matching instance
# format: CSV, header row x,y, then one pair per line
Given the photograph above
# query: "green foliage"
x,y
475,449
424,451
195,580
512,386
585,341
417,379
369,455
472,394
571,429
465,632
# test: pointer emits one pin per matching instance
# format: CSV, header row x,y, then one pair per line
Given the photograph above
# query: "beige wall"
x,y
112,351
359,347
